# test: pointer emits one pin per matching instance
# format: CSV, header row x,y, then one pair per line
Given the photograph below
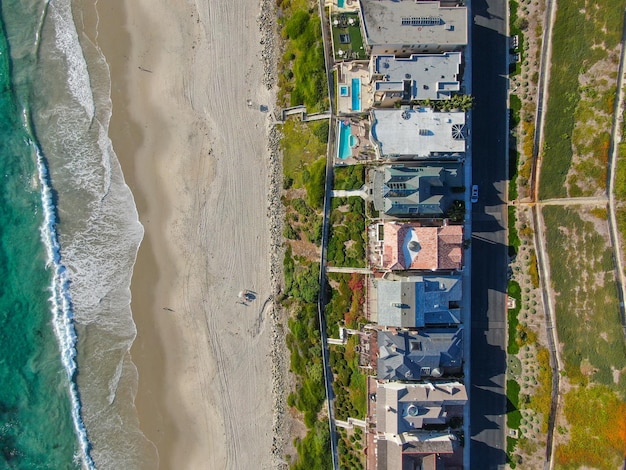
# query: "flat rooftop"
x,y
411,22
431,76
417,132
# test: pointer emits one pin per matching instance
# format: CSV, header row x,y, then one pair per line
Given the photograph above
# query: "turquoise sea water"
x,y
69,234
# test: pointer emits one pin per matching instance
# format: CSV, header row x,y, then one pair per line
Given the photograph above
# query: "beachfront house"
x,y
415,191
417,77
411,246
419,301
409,418
412,134
419,355
405,408
408,27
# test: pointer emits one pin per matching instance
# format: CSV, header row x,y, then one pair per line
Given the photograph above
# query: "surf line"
x,y
61,300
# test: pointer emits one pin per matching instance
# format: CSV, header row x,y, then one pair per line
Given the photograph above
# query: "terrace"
x,y
355,94
347,37
342,5
354,145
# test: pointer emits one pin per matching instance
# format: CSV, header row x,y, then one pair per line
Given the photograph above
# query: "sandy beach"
x,y
189,126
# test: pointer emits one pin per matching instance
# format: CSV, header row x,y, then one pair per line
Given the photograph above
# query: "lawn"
x,y
516,292
347,37
577,114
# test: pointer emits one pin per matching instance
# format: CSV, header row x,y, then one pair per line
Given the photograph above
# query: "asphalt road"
x,y
489,244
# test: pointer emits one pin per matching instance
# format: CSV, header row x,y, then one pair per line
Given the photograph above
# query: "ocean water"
x,y
69,234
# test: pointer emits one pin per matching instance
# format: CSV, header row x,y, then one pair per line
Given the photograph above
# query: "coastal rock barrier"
x,y
279,367
275,214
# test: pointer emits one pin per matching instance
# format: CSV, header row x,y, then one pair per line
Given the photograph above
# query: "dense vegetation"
x,y
347,238
350,382
349,177
304,145
350,449
314,448
303,77
346,301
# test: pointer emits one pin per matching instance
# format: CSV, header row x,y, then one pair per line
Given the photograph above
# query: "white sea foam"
x,y
67,43
62,305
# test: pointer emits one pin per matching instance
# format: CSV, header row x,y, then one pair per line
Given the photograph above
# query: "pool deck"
x,y
348,5
363,151
346,71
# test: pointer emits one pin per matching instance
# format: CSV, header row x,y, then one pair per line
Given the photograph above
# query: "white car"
x,y
474,196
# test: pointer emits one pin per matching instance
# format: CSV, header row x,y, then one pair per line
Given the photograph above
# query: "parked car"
x,y
474,196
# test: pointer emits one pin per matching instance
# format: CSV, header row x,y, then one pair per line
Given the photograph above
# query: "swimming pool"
x,y
340,3
344,90
356,94
344,148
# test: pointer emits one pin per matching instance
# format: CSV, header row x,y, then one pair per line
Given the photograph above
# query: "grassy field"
x,y
587,309
577,115
597,432
620,186
589,329
302,144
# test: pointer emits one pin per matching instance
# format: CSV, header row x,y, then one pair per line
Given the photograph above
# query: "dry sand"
x,y
195,155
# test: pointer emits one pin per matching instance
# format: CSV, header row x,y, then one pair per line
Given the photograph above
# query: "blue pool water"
x,y
356,94
340,3
344,151
344,90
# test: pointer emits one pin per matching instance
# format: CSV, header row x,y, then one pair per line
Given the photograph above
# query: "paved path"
x,y
344,193
332,269
540,243
322,300
338,342
542,258
575,201
350,423
614,154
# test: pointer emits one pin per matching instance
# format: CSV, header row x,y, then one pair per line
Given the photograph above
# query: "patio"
x,y
346,73
347,37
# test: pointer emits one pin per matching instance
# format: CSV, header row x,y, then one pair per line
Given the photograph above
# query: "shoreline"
x,y
188,330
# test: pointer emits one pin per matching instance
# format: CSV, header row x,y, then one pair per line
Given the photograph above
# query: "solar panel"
x,y
421,21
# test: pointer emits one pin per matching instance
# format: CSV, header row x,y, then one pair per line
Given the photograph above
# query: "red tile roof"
x,y
411,246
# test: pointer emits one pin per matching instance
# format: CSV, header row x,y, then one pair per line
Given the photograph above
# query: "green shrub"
x,y
315,183
320,130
